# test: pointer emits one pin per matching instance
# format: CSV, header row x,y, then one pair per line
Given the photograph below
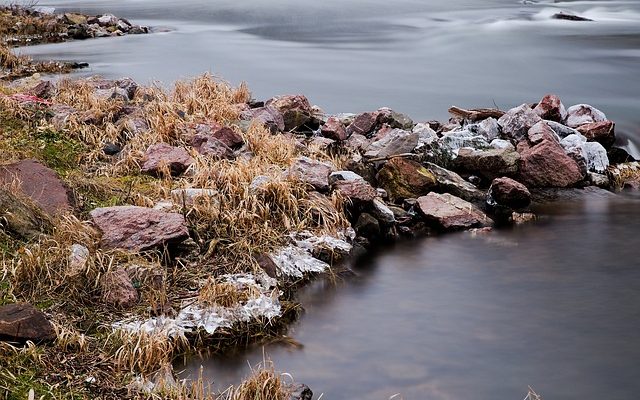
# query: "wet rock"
x,y
333,129
394,119
546,164
490,163
138,228
357,191
117,289
404,179
508,192
363,124
602,132
295,109
582,114
312,172
448,212
551,108
570,17
162,155
450,182
20,322
40,183
368,226
394,142
516,122
269,116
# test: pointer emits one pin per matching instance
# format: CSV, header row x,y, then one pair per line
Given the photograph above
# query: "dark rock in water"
x,y
40,183
618,156
602,132
162,155
582,114
367,226
551,108
516,122
312,172
79,65
111,149
138,228
295,109
569,17
363,124
403,179
300,392
333,129
508,192
449,213
20,322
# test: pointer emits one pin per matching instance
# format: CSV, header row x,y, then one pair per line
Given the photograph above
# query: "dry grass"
x,y
264,383
226,294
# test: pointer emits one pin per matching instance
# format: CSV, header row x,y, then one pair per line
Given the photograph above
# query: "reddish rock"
x,y
546,164
363,124
162,155
403,179
224,134
209,146
582,114
448,212
551,108
357,190
117,289
39,183
510,193
333,129
138,228
357,142
20,322
295,109
602,132
312,172
268,116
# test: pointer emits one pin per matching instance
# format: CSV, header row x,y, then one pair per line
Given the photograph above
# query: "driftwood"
x,y
476,114
22,218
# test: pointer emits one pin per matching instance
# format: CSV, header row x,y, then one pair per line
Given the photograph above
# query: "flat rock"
x,y
357,191
449,212
39,183
162,155
394,142
20,322
138,228
403,179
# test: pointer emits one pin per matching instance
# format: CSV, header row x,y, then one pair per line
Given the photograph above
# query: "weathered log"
x,y
476,114
22,218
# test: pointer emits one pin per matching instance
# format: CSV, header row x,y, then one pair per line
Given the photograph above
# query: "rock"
x,y
300,392
363,124
488,128
490,163
295,109
582,114
269,116
560,130
60,115
41,184
208,145
111,149
448,212
599,180
540,132
189,197
394,119
455,140
551,108
43,90
516,122
404,179
225,134
570,17
357,142
117,289
396,141
501,144
450,182
163,155
593,153
602,132
107,20
319,143
78,260
22,219
267,264
20,322
357,191
75,19
619,156
138,228
510,193
367,226
426,135
382,212
312,172
333,129
546,164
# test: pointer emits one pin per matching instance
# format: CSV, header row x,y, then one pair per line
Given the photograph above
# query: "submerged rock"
x,y
448,212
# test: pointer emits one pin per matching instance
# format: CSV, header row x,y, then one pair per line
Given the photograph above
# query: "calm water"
x,y
416,56
553,305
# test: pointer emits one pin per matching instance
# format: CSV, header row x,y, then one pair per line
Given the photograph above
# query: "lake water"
x,y
554,305
416,56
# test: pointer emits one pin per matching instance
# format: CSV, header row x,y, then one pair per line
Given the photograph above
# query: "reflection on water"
x,y
555,305
416,56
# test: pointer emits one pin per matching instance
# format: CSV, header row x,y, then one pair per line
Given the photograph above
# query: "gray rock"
x,y
450,182
449,212
454,141
382,212
490,163
582,114
516,122
343,176
395,142
426,135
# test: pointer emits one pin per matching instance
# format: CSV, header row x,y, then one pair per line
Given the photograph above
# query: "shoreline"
x,y
236,201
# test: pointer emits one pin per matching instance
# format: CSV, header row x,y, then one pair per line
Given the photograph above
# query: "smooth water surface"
x,y
555,305
416,56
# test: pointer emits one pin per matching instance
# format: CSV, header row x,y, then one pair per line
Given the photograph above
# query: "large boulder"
x,y
545,163
39,183
551,108
510,193
403,179
516,122
312,172
490,163
602,132
138,228
448,212
393,142
582,114
295,109
20,322
162,155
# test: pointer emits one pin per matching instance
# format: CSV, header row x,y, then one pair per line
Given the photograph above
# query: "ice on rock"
x,y
295,262
454,141
426,135
489,128
593,152
501,144
561,130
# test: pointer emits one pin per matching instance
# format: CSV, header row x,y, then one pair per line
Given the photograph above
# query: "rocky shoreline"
x,y
143,225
